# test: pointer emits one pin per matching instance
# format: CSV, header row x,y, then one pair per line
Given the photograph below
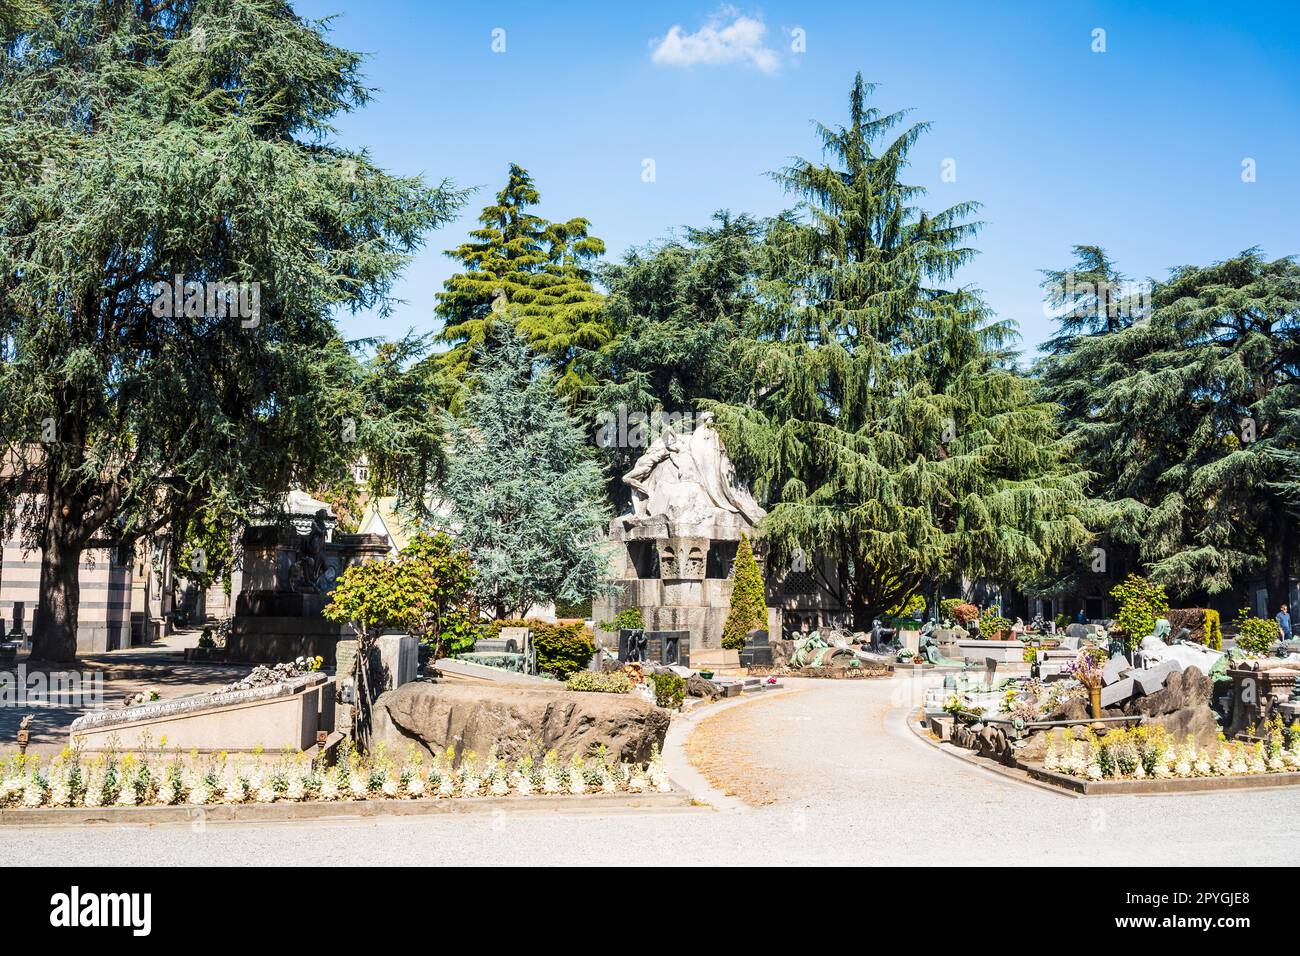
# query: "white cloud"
x,y
726,37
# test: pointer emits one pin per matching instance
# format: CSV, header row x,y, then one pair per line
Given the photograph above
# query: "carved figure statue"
x,y
689,478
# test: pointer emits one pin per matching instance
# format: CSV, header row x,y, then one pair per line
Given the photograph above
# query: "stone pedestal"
x,y
278,615
679,580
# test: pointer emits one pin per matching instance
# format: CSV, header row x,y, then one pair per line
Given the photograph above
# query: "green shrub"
x,y
573,609
1140,603
562,646
1256,635
948,608
614,682
992,624
670,690
748,604
1213,630
628,619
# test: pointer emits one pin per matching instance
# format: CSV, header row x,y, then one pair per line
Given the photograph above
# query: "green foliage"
x,y
147,141
1187,421
885,424
1213,630
909,607
529,273
445,615
568,609
670,689
748,611
628,619
524,492
948,608
1139,603
1256,635
563,647
994,624
615,682
424,591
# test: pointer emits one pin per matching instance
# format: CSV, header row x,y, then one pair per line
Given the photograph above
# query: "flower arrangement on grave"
x,y
993,627
1136,753
75,779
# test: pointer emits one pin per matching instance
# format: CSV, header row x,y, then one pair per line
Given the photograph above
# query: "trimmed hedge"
x,y
613,682
1202,624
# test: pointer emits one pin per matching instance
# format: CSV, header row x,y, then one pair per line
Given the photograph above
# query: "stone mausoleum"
x,y
674,549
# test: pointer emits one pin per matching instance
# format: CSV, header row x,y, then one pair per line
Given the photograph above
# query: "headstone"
x,y
16,632
1069,643
757,652
1118,692
1114,669
990,670
395,661
345,659
1078,631
1152,679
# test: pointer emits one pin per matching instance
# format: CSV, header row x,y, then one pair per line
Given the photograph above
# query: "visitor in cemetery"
x,y
1284,621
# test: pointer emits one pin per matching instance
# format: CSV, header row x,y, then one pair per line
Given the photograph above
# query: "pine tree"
x,y
886,426
748,610
680,312
1191,422
146,141
532,273
525,495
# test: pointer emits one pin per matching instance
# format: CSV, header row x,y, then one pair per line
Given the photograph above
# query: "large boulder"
x,y
517,720
1186,688
1200,722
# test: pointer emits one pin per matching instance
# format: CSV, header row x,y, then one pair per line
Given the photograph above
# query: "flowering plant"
x,y
1137,753
150,779
1087,667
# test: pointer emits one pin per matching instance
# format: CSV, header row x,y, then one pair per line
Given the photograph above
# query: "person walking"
x,y
1284,622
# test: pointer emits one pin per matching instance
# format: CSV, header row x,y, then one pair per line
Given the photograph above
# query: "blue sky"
x,y
1138,148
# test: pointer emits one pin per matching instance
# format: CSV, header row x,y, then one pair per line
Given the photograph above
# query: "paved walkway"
x,y
159,667
833,775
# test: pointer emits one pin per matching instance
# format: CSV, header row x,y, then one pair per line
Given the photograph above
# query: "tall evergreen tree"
x,y
1191,421
680,312
524,491
748,610
1091,297
147,141
534,273
885,427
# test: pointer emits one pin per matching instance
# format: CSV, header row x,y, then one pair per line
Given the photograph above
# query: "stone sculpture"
x,y
688,479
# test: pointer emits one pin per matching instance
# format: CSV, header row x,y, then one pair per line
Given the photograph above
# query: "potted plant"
x,y
1087,670
995,628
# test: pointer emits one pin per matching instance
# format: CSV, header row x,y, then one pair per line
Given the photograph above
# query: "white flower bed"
x,y
1139,753
73,779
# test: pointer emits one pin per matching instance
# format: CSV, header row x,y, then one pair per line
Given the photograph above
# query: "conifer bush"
x,y
748,606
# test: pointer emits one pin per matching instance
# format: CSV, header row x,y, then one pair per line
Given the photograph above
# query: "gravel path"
x,y
832,774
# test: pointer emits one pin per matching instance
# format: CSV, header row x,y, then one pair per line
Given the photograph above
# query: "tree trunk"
x,y
54,634
1279,551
